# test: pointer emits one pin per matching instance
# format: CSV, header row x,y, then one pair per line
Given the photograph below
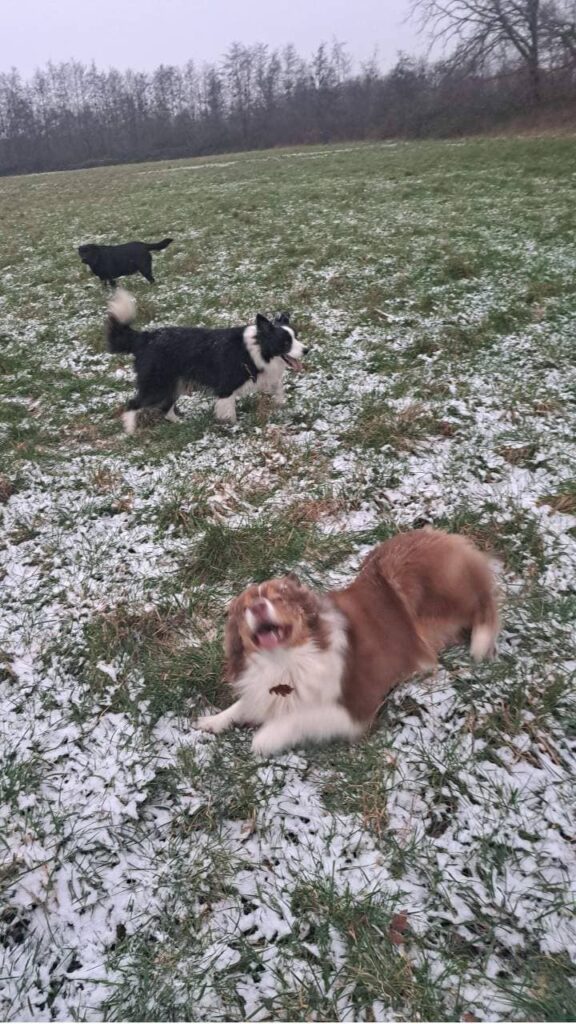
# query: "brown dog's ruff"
x,y
313,667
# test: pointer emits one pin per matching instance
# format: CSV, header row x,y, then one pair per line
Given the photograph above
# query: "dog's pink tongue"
x,y
268,640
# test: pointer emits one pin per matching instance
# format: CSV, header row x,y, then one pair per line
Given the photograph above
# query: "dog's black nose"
x,y
305,351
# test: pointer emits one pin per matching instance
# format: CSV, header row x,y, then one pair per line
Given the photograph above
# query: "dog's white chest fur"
x,y
315,678
310,711
270,379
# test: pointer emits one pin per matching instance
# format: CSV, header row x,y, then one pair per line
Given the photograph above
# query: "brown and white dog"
x,y
315,667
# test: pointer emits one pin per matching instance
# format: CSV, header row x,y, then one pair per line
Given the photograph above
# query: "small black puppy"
x,y
111,261
228,362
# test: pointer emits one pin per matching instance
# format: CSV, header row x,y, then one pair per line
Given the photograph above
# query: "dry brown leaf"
x,y
397,928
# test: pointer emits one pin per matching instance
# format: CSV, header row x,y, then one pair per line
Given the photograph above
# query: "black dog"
x,y
111,261
229,362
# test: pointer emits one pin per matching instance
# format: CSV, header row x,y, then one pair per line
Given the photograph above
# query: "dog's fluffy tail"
x,y
121,313
486,624
485,632
155,246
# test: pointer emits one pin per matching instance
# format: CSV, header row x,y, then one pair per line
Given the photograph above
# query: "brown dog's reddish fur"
x,y
414,595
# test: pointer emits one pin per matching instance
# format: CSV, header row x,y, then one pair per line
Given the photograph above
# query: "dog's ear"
x,y
282,319
233,646
263,324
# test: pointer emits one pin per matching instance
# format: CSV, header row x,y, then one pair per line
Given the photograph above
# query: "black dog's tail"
x,y
155,246
121,313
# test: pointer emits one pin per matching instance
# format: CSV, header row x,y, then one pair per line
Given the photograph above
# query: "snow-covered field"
x,y
150,872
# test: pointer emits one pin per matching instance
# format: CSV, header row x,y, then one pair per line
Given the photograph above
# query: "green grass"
x,y
257,551
376,967
149,871
154,648
377,426
548,991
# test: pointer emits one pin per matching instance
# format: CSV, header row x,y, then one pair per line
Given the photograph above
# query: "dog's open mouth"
x,y
270,635
293,363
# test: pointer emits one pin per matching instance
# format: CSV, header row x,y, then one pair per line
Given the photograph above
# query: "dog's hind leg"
x,y
130,415
144,401
146,270
164,401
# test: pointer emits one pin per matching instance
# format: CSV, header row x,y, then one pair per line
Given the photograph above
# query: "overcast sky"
x,y
145,33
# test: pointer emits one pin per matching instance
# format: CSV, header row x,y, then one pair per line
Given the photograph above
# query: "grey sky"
x,y
144,33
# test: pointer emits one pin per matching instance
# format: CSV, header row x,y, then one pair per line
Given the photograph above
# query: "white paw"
x,y
225,410
267,741
129,421
209,723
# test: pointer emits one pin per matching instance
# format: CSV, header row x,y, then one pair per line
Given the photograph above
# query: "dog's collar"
x,y
283,689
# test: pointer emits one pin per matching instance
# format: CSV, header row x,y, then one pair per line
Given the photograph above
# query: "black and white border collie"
x,y
229,362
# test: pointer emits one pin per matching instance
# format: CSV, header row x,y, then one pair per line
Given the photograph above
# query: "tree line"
x,y
502,56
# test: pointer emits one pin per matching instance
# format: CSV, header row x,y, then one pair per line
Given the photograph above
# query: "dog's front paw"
x,y
209,723
267,741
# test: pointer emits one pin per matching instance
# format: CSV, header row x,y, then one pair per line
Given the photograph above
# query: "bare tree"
x,y
559,21
487,31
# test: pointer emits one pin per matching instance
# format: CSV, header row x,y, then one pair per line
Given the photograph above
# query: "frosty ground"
x,y
150,872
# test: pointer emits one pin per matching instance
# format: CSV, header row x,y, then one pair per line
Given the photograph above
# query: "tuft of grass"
x,y
528,709
164,658
156,439
231,790
378,426
166,973
547,991
19,777
375,969
262,549
186,510
358,781
564,500
7,489
460,266
520,455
